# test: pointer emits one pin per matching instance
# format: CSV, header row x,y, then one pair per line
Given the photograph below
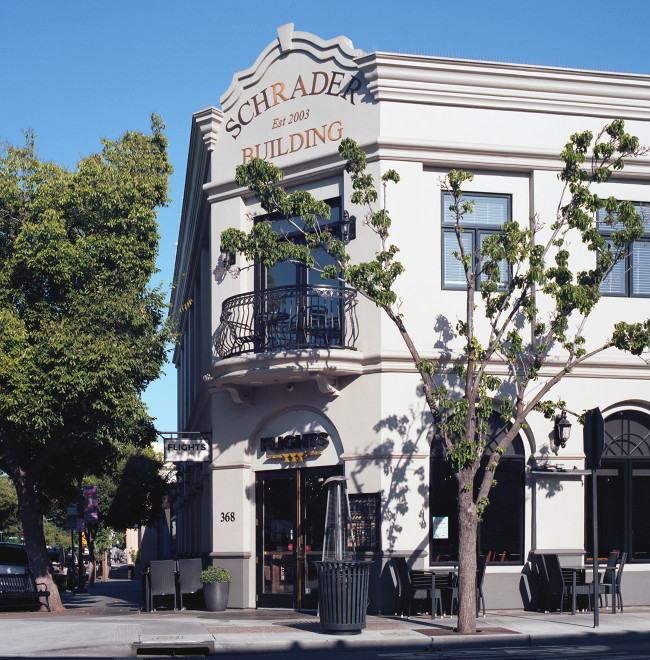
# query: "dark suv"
x,y
13,558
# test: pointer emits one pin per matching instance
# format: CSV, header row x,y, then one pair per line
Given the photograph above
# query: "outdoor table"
x,y
575,571
451,573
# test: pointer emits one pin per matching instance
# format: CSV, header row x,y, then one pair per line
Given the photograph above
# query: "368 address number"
x,y
228,516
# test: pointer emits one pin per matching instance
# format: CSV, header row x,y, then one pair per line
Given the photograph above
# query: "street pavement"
x,y
107,621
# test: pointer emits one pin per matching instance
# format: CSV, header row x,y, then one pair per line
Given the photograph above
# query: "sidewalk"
x,y
107,622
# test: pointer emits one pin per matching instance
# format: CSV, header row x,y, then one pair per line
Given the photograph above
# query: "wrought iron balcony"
x,y
286,318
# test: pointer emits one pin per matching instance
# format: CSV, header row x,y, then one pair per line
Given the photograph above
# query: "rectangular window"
x,y
489,214
631,275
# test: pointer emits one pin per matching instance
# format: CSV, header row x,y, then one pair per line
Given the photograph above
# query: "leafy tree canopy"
x,y
81,332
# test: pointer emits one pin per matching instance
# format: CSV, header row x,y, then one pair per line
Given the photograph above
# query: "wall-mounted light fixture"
x,y
346,224
562,430
227,259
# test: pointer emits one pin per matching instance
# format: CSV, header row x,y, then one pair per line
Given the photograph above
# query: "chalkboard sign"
x,y
365,515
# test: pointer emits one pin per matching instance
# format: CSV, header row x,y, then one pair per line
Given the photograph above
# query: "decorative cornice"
x,y
339,49
500,86
439,153
208,122
237,375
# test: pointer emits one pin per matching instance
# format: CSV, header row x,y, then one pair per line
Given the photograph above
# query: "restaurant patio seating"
x,y
189,577
611,584
555,585
162,580
406,591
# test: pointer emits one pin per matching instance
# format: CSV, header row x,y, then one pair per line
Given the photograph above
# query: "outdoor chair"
x,y
189,577
611,584
609,576
406,592
557,586
481,564
317,324
162,581
424,581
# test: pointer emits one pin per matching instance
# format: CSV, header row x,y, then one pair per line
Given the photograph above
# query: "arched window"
x,y
623,488
501,533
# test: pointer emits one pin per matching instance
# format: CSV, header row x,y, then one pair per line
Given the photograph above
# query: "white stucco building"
x,y
279,354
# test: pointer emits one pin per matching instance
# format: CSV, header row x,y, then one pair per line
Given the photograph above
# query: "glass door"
x,y
276,547
291,509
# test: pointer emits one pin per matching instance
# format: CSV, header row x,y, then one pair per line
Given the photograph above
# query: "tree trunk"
x,y
467,529
35,538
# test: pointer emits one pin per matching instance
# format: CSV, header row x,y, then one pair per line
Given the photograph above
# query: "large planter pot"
x,y
216,595
343,596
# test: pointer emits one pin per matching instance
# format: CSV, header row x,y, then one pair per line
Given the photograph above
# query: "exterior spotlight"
x,y
562,430
227,259
345,227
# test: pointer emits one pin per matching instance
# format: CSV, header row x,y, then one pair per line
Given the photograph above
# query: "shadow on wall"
x,y
408,485
530,583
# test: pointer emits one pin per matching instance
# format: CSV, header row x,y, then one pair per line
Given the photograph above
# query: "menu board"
x,y
365,515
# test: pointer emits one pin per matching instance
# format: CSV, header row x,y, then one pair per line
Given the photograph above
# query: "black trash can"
x,y
343,595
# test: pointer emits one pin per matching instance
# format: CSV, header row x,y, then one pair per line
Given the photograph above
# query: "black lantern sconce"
x,y
347,227
562,430
227,259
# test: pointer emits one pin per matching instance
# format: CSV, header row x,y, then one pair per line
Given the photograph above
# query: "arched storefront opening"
x,y
623,488
501,533
294,453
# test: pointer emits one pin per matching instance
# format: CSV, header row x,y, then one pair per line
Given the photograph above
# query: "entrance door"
x,y
290,523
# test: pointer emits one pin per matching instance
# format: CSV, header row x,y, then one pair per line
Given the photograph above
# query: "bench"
x,y
21,589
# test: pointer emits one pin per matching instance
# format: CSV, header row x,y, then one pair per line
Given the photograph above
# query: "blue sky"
x,y
78,71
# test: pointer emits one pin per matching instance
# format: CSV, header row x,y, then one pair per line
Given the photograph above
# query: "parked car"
x,y
13,558
63,578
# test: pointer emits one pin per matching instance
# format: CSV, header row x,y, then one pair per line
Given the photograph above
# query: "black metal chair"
x,y
317,324
609,575
162,581
481,564
189,577
406,592
611,584
558,586
427,581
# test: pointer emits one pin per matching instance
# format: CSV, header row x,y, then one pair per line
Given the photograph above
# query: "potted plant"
x,y
216,587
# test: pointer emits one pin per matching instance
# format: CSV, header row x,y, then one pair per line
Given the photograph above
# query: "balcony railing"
x,y
288,317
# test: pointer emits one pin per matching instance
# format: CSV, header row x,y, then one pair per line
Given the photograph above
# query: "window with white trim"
x,y
489,214
631,275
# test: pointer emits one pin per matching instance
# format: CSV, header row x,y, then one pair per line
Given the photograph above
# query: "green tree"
x,y
9,520
10,525
81,331
542,279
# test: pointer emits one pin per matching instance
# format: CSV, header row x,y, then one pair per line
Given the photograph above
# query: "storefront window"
x,y
501,533
623,488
